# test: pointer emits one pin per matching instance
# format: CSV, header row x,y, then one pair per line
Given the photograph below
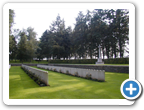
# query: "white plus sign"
x,y
131,89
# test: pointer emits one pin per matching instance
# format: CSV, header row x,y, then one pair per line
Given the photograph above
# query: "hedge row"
x,y
92,61
117,61
80,61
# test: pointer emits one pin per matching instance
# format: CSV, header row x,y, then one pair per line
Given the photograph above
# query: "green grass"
x,y
62,86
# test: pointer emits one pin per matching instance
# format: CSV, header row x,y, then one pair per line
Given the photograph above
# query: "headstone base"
x,y
100,61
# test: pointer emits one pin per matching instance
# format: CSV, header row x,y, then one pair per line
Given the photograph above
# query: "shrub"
x,y
35,79
88,76
76,74
60,71
67,72
54,70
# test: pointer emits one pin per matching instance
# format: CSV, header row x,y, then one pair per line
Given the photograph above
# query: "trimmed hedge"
x,y
79,61
92,61
117,61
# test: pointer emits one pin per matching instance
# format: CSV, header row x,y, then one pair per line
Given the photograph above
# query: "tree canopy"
x,y
106,27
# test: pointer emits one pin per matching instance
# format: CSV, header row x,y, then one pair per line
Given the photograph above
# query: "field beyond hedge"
x,y
62,86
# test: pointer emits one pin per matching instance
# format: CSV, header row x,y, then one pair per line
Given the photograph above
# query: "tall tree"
x,y
89,41
39,54
32,43
80,33
12,42
121,29
108,28
13,49
97,30
22,47
11,20
27,45
61,47
46,44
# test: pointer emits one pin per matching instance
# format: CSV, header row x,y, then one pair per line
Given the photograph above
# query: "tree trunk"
x,y
115,53
120,47
103,54
90,53
75,56
107,52
90,56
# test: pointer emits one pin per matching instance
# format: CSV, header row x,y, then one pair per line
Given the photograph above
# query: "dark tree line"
x,y
56,42
108,28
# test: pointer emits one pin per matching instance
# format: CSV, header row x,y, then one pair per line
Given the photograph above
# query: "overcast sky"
x,y
41,19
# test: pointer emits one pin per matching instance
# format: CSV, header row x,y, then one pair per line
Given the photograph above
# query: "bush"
x,y
60,71
67,72
88,76
76,74
54,70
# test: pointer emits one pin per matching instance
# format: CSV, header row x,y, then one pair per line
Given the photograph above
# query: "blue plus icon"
x,y
130,89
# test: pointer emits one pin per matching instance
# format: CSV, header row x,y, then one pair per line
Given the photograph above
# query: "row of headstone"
x,y
85,73
9,66
40,74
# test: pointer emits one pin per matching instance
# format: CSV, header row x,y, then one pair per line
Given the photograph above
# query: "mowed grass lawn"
x,y
62,86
